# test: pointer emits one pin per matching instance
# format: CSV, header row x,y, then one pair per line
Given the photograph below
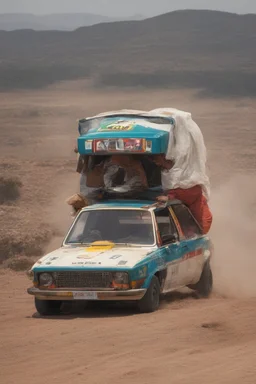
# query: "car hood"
x,y
86,257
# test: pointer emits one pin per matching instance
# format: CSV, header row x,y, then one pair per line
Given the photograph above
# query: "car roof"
x,y
132,204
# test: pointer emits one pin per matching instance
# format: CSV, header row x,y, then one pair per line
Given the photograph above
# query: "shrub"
x,y
9,189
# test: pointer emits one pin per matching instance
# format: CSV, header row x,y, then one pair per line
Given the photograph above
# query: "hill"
x,y
204,49
57,21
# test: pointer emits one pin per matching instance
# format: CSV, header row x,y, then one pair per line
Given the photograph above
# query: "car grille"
x,y
74,279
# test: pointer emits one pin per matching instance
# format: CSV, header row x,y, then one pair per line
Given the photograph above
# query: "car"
x,y
119,250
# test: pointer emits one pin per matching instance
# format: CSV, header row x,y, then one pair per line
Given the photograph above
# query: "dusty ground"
x,y
187,340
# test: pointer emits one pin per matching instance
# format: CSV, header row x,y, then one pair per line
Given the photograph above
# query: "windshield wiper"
x,y
77,243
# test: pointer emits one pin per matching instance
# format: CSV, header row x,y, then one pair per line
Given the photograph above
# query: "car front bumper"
x,y
61,294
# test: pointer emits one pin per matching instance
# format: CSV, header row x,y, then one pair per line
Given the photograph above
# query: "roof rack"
x,y
117,193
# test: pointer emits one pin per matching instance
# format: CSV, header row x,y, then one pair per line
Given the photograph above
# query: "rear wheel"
x,y
204,285
48,307
151,300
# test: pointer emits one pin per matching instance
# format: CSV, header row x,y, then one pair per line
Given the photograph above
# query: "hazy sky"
x,y
123,7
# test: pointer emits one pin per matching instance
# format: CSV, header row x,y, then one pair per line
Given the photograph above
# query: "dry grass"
x,y
9,189
22,232
19,263
211,83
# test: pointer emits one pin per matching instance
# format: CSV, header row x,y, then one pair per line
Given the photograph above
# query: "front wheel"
x,y
48,307
151,300
204,285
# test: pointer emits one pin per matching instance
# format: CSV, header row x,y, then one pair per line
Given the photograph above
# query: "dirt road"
x,y
186,341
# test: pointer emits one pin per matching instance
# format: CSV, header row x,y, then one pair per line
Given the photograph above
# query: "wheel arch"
x,y
161,275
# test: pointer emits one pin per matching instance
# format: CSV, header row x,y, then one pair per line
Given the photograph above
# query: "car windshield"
x,y
117,226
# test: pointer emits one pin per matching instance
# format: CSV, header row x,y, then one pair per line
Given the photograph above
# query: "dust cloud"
x,y
233,233
59,215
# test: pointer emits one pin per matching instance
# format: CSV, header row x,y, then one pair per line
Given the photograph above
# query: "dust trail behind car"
x,y
234,236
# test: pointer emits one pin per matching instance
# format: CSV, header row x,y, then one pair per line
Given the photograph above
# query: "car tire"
x,y
48,307
151,300
205,284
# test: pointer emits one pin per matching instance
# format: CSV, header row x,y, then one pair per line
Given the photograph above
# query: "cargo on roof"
x,y
165,131
124,132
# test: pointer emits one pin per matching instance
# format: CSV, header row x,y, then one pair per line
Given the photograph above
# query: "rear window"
x,y
187,222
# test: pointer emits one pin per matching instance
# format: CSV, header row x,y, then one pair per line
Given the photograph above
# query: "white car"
x,y
124,250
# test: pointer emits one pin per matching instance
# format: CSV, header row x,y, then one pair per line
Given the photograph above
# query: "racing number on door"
x,y
175,270
172,277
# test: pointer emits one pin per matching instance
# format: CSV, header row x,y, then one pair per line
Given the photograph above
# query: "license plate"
x,y
85,295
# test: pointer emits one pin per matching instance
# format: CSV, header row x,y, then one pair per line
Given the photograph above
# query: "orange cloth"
x,y
197,203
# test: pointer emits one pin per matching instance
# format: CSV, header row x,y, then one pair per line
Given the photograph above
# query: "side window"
x,y
166,226
187,222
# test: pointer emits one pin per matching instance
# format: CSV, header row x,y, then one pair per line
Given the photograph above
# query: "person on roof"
x,y
192,197
107,172
126,171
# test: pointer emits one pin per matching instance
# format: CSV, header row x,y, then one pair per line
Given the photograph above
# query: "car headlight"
x,y
45,279
121,278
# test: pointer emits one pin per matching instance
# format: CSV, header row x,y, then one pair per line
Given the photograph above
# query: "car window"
x,y
187,222
165,223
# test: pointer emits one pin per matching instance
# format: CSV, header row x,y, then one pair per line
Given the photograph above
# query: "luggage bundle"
x,y
140,154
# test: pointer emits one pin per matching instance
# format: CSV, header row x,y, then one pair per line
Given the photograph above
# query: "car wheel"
x,y
48,307
204,285
151,300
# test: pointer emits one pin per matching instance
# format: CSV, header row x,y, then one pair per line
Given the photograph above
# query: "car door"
x,y
192,245
172,251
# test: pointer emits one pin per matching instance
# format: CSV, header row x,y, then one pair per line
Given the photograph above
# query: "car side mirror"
x,y
169,238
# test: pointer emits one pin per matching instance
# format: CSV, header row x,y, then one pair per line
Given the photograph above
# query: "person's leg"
x,y
202,214
187,196
194,199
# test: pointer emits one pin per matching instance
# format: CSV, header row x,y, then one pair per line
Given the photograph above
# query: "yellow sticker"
x,y
116,127
84,257
100,246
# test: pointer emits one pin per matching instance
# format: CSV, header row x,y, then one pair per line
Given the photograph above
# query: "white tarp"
x,y
187,149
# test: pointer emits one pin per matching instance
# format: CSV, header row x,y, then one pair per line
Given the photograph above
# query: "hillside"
x,y
59,21
204,49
